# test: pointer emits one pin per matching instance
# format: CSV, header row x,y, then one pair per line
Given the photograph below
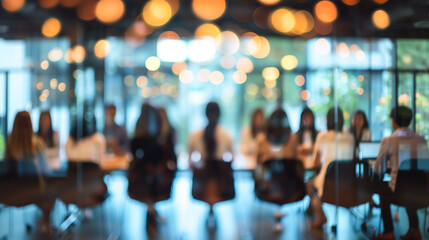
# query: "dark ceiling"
x,y
409,19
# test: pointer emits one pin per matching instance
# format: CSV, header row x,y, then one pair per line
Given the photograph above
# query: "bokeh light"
x,y
178,67
129,80
48,3
39,86
380,19
207,30
208,10
270,83
323,47
227,62
142,81
305,95
325,11
102,48
351,2
269,2
323,28
44,65
270,73
53,83
204,75
174,5
216,77
304,22
169,35
343,50
239,77
380,1
228,42
360,91
78,54
12,5
282,20
62,87
263,47
55,54
109,11
245,65
51,27
186,76
153,63
300,80
289,62
157,13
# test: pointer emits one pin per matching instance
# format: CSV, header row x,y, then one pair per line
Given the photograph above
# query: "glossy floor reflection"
x,y
185,218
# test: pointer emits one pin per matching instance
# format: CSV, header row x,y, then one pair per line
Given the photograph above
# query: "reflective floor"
x,y
185,218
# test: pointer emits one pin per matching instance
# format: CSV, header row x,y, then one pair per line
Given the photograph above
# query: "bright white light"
x,y
202,50
172,50
195,156
227,157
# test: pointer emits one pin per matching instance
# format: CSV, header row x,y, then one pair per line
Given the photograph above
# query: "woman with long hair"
x,y
250,136
206,148
306,136
24,146
48,135
150,174
360,129
279,142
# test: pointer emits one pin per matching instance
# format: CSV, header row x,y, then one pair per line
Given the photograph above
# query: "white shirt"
x,y
331,146
92,148
249,145
223,144
402,145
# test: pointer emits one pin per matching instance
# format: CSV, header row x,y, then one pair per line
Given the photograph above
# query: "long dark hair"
x,y
48,135
20,141
365,124
331,119
302,129
254,130
278,129
213,114
83,127
149,123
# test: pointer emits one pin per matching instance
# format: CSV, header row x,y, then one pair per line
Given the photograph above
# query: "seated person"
x,y
306,136
51,139
390,156
250,136
211,144
116,141
150,173
360,129
331,145
85,143
278,142
24,145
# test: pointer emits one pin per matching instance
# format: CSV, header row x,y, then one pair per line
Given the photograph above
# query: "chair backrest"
x,y
217,170
282,182
412,184
346,183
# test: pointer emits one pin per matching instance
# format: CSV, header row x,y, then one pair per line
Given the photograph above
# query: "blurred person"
x,y
205,147
334,144
85,144
278,142
402,145
306,136
251,134
152,169
116,136
360,129
49,136
24,145
167,135
117,145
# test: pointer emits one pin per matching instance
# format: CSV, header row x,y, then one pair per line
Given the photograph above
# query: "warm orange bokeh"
x,y
102,48
304,22
351,2
109,11
175,5
48,3
263,47
12,5
157,13
207,30
326,11
380,19
51,27
282,20
269,2
178,67
169,35
209,9
86,10
380,1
